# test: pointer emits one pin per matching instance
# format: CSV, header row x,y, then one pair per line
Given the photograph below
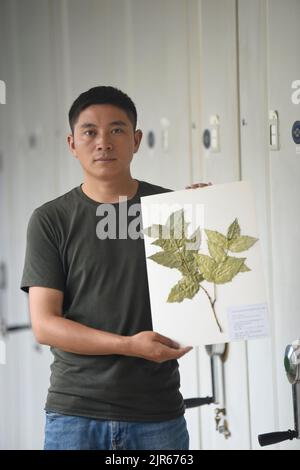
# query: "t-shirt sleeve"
x,y
43,265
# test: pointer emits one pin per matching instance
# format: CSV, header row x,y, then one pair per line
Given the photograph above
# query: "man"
x,y
114,382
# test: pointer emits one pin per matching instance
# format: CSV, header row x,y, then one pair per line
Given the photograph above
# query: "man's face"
x,y
104,141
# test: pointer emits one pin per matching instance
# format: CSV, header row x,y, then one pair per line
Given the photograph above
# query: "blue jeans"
x,y
64,432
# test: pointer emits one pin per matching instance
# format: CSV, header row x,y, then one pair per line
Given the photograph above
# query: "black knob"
x,y
274,437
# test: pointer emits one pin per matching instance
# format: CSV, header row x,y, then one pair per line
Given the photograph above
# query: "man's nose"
x,y
103,142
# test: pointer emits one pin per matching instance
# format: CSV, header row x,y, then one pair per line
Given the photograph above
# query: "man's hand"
x,y
155,347
198,185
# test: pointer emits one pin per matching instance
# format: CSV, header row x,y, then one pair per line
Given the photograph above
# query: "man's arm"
x,y
51,328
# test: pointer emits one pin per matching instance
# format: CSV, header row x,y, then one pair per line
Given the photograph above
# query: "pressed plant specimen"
x,y
178,251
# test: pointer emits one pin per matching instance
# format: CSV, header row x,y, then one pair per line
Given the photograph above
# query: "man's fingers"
x,y
180,352
198,185
186,350
167,341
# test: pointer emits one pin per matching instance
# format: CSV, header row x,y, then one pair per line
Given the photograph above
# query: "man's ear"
x,y
137,139
70,140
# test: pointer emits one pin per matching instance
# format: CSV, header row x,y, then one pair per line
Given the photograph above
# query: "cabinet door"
x,y
8,375
254,167
284,166
30,175
220,164
159,77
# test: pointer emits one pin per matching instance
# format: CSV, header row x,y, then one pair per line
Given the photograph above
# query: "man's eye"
x,y
117,130
89,133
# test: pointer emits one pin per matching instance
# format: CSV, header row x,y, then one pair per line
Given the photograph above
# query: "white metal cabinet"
x,y
254,168
284,166
29,166
219,96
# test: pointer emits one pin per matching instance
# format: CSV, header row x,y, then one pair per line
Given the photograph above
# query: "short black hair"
x,y
103,95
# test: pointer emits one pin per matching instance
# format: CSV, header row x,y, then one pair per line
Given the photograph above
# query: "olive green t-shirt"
x,y
105,286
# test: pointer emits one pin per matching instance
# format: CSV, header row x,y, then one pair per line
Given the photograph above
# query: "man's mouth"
x,y
104,159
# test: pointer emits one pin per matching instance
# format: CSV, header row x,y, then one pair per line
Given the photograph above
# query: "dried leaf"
x,y
167,244
207,266
244,268
186,288
167,258
175,218
198,277
234,230
241,243
155,231
189,265
179,231
181,252
177,225
216,252
226,271
217,238
194,242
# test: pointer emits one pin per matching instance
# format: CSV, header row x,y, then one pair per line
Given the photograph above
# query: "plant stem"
x,y
212,303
